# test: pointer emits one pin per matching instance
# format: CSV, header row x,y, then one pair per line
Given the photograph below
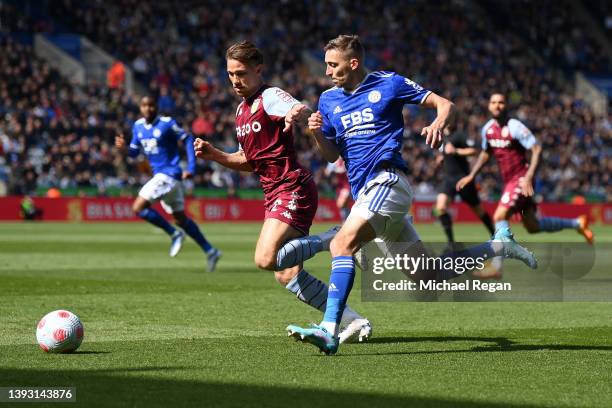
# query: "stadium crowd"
x,y
54,133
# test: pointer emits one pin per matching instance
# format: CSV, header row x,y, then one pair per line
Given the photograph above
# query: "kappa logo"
x,y
338,109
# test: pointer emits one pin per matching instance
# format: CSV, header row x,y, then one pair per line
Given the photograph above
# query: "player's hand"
x,y
187,175
293,116
433,135
526,186
463,181
202,149
119,141
449,148
315,122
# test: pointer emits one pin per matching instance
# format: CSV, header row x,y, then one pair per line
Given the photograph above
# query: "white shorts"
x,y
385,202
167,189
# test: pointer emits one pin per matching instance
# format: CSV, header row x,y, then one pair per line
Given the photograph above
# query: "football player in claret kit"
x,y
264,122
457,148
509,140
158,136
361,119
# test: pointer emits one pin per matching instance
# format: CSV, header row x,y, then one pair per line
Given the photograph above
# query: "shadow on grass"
x,y
90,352
113,388
499,344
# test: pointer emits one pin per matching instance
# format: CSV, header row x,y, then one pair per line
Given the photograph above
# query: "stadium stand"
x,y
54,133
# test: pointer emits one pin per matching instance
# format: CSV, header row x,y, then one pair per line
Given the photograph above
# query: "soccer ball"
x,y
59,332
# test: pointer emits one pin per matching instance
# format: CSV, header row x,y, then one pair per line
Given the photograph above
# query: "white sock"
x,y
348,315
497,263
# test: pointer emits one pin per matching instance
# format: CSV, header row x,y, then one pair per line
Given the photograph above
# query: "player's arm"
x,y
524,136
483,158
445,110
187,140
298,115
234,161
328,149
466,151
134,146
526,183
191,157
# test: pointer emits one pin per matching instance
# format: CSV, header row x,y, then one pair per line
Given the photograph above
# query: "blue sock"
x,y
502,224
552,224
309,290
191,228
297,251
340,285
155,218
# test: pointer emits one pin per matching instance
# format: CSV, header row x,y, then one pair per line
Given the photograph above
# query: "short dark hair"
x,y
245,52
348,43
151,96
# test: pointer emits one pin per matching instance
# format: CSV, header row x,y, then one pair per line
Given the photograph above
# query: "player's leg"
x,y
484,217
407,241
173,202
535,224
469,195
191,228
501,218
300,206
388,193
298,250
441,211
296,279
354,232
149,193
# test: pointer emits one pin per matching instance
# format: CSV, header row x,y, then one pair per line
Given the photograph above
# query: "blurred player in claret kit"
x,y
509,140
158,136
264,122
457,148
361,119
337,170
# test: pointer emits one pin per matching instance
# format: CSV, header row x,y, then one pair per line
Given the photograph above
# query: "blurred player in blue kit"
x,y
159,137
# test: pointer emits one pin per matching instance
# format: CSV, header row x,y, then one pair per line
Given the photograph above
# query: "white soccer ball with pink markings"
x,y
60,331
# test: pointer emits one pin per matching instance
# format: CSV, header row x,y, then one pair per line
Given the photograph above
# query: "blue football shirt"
x,y
159,141
367,124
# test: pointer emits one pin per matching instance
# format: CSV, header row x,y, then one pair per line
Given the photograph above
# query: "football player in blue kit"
x,y
159,137
361,119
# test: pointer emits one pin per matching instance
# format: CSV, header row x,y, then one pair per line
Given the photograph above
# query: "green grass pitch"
x,y
162,332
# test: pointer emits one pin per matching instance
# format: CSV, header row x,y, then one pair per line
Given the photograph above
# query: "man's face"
x,y
148,109
497,105
340,67
245,78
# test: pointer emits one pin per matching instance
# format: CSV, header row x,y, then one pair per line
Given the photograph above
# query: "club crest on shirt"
x,y
255,105
156,133
374,96
505,132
